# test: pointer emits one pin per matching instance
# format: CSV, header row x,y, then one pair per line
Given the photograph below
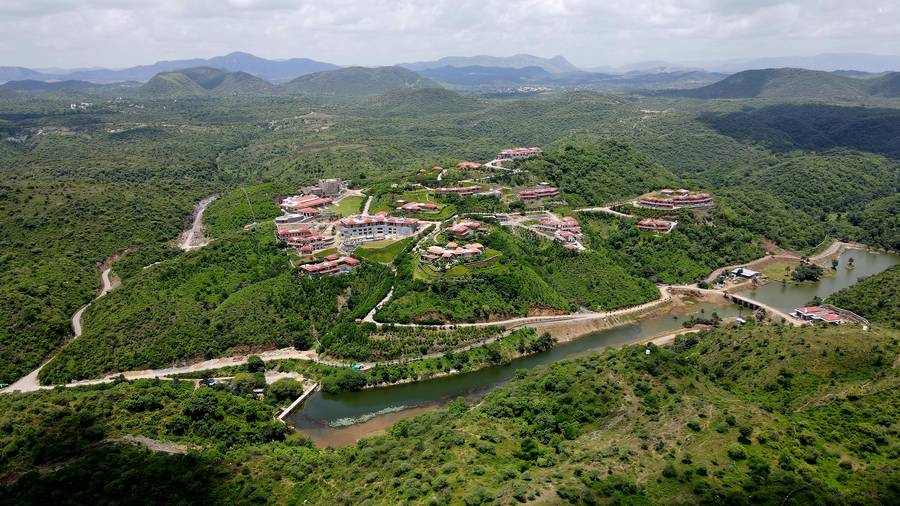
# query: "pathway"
x,y
29,382
195,233
365,211
604,209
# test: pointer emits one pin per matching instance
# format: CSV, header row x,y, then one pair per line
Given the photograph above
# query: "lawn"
x,y
348,206
384,251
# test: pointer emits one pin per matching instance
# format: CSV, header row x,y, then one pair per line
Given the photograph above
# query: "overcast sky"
x,y
119,33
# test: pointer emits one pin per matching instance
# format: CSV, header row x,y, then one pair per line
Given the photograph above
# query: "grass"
x,y
384,251
779,271
348,206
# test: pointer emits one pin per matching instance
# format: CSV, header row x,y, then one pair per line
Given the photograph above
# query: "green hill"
x,y
199,81
171,85
887,85
358,81
784,83
876,298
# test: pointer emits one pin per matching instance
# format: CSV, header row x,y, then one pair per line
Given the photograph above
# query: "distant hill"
x,y
201,81
887,85
278,70
781,83
417,102
358,81
474,75
555,65
21,74
34,86
828,62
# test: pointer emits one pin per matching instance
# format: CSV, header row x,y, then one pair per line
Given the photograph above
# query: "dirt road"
x,y
192,238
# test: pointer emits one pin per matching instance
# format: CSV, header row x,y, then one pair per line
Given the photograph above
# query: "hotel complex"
x,y
359,228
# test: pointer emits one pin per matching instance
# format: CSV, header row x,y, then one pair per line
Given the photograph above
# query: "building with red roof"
x,y
539,193
451,254
305,239
462,191
680,201
817,313
335,265
518,153
566,223
658,226
464,229
296,203
370,228
468,165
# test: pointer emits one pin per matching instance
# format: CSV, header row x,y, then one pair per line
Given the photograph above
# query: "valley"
x,y
401,284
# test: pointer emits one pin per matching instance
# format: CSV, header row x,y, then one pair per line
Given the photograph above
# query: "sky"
x,y
121,33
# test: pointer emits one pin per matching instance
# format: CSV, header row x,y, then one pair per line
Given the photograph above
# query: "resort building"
x,y
567,223
468,165
462,191
371,228
296,203
306,240
452,254
817,313
568,239
680,201
539,192
418,207
518,153
332,265
658,226
464,229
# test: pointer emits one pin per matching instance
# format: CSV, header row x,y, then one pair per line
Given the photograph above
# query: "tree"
x,y
285,389
255,364
807,272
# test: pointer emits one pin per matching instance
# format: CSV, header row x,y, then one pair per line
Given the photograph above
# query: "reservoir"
x,y
341,419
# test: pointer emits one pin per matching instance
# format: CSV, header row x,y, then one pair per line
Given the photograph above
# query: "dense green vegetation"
x,y
783,83
598,174
771,413
689,253
876,298
234,293
531,275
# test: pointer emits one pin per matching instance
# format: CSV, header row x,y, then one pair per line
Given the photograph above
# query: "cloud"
x,y
590,32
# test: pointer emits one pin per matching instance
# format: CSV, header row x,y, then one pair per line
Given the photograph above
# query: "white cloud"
x,y
590,32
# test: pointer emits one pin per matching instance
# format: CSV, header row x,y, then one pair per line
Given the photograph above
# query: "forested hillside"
x,y
792,416
876,298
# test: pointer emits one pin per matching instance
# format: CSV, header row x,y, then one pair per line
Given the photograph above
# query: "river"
x,y
341,419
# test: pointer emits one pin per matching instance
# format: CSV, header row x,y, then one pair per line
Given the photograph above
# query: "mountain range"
x,y
792,83
273,70
555,65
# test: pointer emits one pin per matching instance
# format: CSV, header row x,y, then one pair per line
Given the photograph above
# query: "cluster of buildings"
x,y
567,223
418,207
452,254
539,192
676,199
464,229
819,314
332,265
657,226
518,153
566,231
305,239
359,228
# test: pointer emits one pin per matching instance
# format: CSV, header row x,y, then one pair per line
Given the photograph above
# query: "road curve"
x,y
29,382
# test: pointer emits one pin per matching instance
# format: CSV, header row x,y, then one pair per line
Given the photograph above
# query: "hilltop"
x,y
200,81
420,101
358,81
786,83
875,297
887,85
